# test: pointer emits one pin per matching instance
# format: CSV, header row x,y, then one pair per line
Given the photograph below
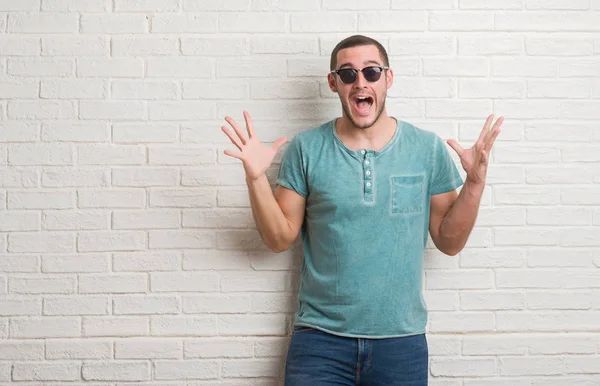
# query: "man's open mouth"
x,y
362,104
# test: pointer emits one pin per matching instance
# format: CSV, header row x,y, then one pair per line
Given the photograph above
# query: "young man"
x,y
364,189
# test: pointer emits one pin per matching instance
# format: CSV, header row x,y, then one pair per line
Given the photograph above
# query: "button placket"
x,y
368,175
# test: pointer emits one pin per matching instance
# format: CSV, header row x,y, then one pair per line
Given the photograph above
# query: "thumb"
x,y
456,146
277,144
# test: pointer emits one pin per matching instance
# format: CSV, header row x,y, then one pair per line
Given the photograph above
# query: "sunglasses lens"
x,y
372,74
347,75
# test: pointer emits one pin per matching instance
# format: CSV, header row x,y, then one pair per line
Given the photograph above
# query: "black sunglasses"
x,y
371,73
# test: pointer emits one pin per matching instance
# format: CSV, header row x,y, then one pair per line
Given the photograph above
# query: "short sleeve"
x,y
292,173
445,175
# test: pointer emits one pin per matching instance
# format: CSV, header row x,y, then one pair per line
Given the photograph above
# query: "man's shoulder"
x,y
313,136
414,134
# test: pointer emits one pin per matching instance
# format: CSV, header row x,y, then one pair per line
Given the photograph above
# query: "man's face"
x,y
362,101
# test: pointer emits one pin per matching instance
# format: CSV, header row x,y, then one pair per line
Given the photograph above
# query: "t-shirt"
x,y
365,228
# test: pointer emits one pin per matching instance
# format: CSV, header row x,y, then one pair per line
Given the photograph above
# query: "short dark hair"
x,y
357,40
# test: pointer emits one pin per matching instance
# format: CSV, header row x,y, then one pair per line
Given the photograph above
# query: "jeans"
x,y
317,358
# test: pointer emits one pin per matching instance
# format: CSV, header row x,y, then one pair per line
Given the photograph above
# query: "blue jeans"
x,y
317,358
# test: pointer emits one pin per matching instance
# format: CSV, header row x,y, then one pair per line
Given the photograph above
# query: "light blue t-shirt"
x,y
365,228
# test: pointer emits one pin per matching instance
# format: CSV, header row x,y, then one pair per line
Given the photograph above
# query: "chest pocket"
x,y
408,194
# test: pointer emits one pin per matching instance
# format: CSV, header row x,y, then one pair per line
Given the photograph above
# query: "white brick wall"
x,y
127,247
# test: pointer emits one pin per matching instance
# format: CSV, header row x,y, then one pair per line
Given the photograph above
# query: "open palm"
x,y
255,156
475,159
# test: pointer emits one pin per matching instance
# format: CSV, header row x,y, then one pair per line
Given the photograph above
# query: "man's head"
x,y
361,92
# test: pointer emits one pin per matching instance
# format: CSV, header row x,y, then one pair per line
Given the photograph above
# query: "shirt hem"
x,y
359,335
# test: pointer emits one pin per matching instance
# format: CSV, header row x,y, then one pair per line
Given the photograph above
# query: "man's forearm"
x,y
273,226
460,219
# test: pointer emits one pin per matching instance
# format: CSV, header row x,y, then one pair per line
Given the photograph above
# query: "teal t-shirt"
x,y
365,228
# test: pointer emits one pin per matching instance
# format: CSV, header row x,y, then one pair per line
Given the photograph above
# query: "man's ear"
x,y
331,82
389,78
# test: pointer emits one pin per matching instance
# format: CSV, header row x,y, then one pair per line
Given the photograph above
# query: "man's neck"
x,y
371,138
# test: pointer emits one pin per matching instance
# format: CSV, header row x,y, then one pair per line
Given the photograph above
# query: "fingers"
x,y
456,146
237,129
249,126
486,129
233,153
277,144
493,134
233,139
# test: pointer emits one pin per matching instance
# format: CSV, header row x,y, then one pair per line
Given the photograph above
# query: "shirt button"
x,y
368,184
368,173
362,152
367,162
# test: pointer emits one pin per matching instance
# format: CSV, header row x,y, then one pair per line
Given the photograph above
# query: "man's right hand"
x,y
255,156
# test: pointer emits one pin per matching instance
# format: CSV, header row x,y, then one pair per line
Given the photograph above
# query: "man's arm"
x,y
278,216
453,216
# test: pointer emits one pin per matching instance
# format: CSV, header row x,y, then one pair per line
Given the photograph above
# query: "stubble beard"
x,y
346,109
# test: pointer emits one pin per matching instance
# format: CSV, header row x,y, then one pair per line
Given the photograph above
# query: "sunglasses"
x,y
371,73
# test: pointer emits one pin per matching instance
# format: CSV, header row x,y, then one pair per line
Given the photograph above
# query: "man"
x,y
364,189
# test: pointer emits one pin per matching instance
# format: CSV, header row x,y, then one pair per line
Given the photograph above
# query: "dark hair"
x,y
357,40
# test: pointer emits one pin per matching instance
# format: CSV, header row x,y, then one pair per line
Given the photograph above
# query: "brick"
x,y
19,89
179,68
122,283
117,371
525,236
22,350
41,200
311,22
219,89
78,349
118,110
113,67
41,110
182,239
557,4
464,67
416,4
184,282
20,221
85,305
388,21
559,301
252,22
531,366
144,177
188,370
74,131
46,327
111,198
41,154
503,344
490,4
251,368
110,241
182,198
251,67
142,46
26,285
284,45
75,5
461,21
18,131
101,154
144,132
146,261
19,263
482,279
147,5
462,322
75,46
150,305
491,300
71,263
73,89
256,325
24,5
142,348
558,216
217,348
41,242
125,89
228,46
418,45
112,326
205,325
490,45
579,67
471,367
558,257
74,220
547,21
218,219
46,372
231,5
221,304
18,178
147,219
181,110
457,109
43,23
559,46
524,66
559,89
181,156
185,23
209,176
22,45
583,237
113,23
